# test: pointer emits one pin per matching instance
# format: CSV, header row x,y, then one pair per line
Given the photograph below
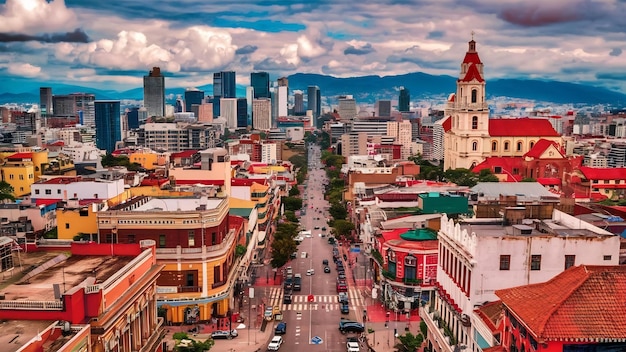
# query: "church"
x,y
471,136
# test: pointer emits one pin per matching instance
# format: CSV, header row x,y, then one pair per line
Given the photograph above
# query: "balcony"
x,y
154,341
389,275
439,333
412,282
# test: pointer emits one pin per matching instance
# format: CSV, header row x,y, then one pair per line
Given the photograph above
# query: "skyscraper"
x,y
314,100
382,108
346,108
193,96
404,100
262,115
229,112
224,86
260,81
108,124
45,101
242,113
75,104
154,92
298,103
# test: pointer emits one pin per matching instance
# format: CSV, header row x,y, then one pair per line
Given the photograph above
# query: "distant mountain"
x,y
365,89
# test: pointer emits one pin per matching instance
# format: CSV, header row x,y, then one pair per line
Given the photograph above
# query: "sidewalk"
x,y
249,340
383,339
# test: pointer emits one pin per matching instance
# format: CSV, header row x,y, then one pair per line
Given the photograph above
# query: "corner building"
x,y
194,243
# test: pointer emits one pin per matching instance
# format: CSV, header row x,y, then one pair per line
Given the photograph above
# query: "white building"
x,y
479,256
64,188
282,103
262,114
403,133
83,153
228,110
268,153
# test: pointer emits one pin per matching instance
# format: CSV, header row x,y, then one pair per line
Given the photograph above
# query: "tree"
x,y
240,250
298,161
6,191
283,244
343,228
290,215
462,177
338,211
292,203
485,175
409,342
182,345
294,191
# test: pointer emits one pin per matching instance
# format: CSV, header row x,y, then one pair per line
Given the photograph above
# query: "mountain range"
x,y
365,89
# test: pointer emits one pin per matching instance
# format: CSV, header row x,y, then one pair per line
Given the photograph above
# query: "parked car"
x,y
346,326
281,328
342,287
297,282
327,269
269,313
344,308
341,276
352,344
310,272
343,297
287,298
294,255
275,344
325,262
224,334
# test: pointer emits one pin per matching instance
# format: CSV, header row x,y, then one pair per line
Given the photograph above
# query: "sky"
x,y
112,44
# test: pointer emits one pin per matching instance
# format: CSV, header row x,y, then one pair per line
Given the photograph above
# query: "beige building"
x,y
473,136
354,144
262,114
403,133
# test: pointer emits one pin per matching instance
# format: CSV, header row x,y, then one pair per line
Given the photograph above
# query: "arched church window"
x,y
519,146
474,146
474,96
474,122
506,146
531,145
494,146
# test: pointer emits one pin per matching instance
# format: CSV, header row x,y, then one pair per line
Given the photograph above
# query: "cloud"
x,y
537,14
270,64
77,36
359,49
23,69
35,16
247,49
616,52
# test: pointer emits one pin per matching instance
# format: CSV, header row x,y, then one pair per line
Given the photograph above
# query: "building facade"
x,y
108,124
154,92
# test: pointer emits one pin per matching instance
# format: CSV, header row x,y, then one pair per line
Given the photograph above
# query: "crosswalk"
x,y
320,302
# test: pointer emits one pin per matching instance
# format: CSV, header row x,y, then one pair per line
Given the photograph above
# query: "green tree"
x,y
290,215
6,191
343,228
529,179
409,342
338,211
292,203
294,191
485,175
283,243
240,250
298,161
462,177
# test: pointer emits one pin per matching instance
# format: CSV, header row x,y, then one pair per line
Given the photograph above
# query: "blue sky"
x,y
111,44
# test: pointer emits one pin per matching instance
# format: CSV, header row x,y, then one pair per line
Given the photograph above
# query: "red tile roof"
x,y
472,74
200,182
46,202
583,302
541,146
600,173
522,127
184,154
394,234
550,181
447,124
21,156
507,163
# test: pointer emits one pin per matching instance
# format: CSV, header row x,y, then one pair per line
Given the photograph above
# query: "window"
x,y
519,146
474,122
48,191
505,262
410,260
213,238
515,171
531,145
191,238
21,177
474,95
569,261
607,257
161,241
10,176
535,262
474,146
67,225
506,146
410,271
494,146
131,238
59,191
36,191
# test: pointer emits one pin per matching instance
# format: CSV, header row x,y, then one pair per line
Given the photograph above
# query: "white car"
x,y
275,343
310,272
352,346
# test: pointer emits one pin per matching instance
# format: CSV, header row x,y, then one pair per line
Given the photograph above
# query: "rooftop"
x,y
16,333
494,227
57,268
179,204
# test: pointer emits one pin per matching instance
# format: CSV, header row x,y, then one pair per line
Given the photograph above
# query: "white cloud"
x,y
36,16
23,69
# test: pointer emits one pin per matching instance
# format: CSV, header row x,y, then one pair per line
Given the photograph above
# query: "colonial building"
x,y
473,136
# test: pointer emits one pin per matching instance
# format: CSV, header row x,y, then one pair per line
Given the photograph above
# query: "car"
x,y
275,344
294,255
289,271
343,297
316,228
327,269
352,346
324,228
325,262
341,276
342,287
287,298
224,334
346,326
344,308
310,272
269,313
281,328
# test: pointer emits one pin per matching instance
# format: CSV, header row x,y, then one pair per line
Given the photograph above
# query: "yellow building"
x,y
148,160
78,218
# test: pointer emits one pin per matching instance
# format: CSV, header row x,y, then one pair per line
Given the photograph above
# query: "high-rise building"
x,y
180,105
346,108
382,108
228,107
242,113
249,99
224,86
262,114
314,100
132,118
108,124
260,81
193,96
403,133
75,104
404,100
154,92
45,101
298,103
282,103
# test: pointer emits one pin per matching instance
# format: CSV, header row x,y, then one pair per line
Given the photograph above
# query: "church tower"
x,y
467,142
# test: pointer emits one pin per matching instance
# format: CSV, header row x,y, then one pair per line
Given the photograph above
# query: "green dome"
x,y
419,235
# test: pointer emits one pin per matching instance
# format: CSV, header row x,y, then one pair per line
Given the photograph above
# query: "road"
x,y
320,318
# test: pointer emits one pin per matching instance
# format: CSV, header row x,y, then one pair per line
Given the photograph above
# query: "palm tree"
x,y
6,191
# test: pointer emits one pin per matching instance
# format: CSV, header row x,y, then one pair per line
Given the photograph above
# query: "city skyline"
x,y
111,45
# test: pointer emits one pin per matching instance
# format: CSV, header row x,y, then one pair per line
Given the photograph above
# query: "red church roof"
x,y
507,163
540,147
522,127
601,173
472,74
447,124
472,60
583,302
